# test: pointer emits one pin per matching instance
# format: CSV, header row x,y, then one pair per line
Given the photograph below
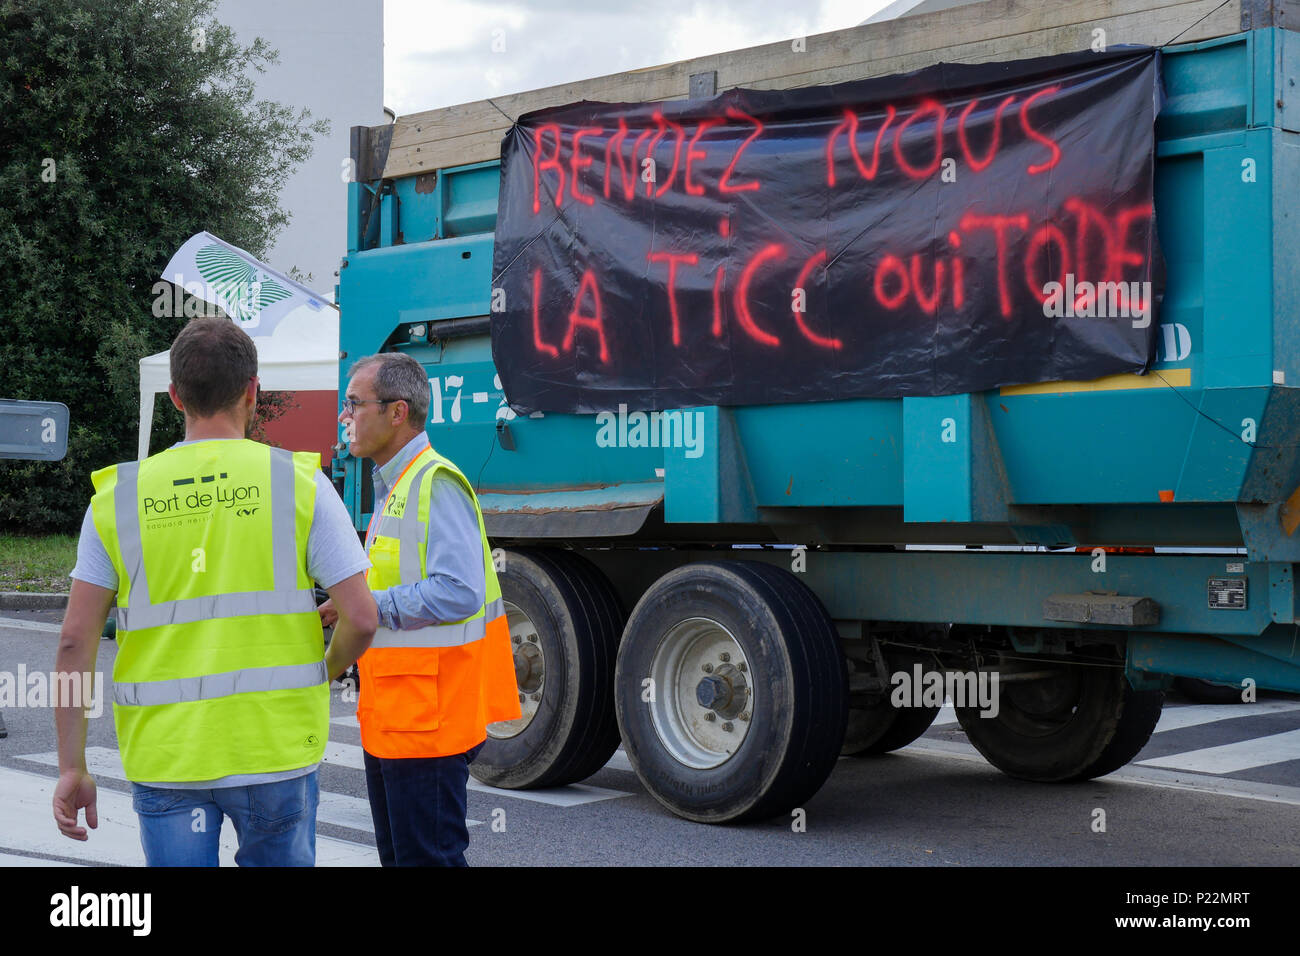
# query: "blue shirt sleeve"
x,y
454,587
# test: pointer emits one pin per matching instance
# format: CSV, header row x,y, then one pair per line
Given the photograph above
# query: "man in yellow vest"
x,y
440,668
221,681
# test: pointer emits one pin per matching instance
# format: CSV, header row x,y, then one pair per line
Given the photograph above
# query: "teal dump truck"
x,y
779,583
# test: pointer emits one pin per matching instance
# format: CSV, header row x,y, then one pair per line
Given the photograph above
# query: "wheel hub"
x,y
1040,708
530,672
703,695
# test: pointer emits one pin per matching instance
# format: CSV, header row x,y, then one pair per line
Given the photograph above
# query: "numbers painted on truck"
x,y
446,392
435,387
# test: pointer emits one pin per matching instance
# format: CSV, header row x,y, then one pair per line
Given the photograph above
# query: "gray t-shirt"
x,y
334,553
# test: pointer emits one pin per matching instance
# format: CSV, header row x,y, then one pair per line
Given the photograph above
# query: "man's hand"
x,y
75,789
83,622
357,619
328,614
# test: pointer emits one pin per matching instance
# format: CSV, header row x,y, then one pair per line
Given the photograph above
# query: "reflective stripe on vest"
x,y
219,672
431,691
211,686
411,533
409,564
287,598
442,635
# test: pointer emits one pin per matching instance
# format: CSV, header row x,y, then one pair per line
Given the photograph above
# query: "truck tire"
x,y
731,691
880,727
1085,722
565,620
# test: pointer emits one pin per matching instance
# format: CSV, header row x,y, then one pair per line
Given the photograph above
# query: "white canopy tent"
x,y
302,354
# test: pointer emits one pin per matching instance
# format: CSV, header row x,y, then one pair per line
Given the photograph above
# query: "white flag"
x,y
254,295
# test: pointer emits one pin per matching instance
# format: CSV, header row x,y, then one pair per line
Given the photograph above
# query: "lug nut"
x,y
728,727
724,657
710,716
708,668
741,667
532,638
521,698
535,697
514,638
745,716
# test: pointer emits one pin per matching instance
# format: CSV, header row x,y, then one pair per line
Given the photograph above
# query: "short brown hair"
x,y
211,363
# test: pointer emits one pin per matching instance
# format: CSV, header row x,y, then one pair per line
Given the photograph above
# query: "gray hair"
x,y
397,375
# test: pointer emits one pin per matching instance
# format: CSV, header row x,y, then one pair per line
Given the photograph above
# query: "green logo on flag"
x,y
245,288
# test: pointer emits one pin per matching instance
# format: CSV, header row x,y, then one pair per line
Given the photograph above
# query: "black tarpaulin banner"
x,y
955,229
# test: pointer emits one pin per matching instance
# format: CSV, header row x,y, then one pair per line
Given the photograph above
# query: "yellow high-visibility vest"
x,y
220,665
431,691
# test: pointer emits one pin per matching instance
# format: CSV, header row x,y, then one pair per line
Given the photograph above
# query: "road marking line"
x,y
572,795
351,755
29,827
1176,718
13,859
1149,777
29,822
619,761
24,625
1229,758
944,748
338,809
947,715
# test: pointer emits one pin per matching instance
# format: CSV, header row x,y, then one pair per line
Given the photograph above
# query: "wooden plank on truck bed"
x,y
981,32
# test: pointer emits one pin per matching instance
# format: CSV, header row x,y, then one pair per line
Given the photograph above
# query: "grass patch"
x,y
37,562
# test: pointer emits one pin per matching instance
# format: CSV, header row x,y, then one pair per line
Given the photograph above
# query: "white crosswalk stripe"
x,y
22,624
338,809
350,755
1176,718
1248,754
28,836
29,828
617,762
1154,777
1230,758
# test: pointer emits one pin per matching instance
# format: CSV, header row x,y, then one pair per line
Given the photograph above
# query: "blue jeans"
x,y
275,823
418,805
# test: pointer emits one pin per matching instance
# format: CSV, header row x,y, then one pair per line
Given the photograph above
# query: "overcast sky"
x,y
441,52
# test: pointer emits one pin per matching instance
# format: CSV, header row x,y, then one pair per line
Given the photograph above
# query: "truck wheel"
x,y
731,691
1085,721
565,621
880,727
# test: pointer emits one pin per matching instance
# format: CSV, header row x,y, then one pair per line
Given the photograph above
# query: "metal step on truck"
x,y
807,384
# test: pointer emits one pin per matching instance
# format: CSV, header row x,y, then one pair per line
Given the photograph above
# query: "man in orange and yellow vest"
x,y
440,668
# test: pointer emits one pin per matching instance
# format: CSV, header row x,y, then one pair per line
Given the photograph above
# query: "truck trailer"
x,y
779,583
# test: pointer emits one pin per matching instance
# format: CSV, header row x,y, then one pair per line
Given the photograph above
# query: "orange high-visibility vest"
x,y
431,691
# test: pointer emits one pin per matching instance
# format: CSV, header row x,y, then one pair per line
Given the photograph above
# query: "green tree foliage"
x,y
126,126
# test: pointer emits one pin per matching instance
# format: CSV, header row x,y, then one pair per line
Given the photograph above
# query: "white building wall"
x,y
331,61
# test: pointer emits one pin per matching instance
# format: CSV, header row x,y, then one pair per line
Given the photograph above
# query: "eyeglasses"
x,y
350,404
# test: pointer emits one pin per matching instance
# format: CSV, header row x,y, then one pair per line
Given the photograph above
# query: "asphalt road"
x,y
1217,785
